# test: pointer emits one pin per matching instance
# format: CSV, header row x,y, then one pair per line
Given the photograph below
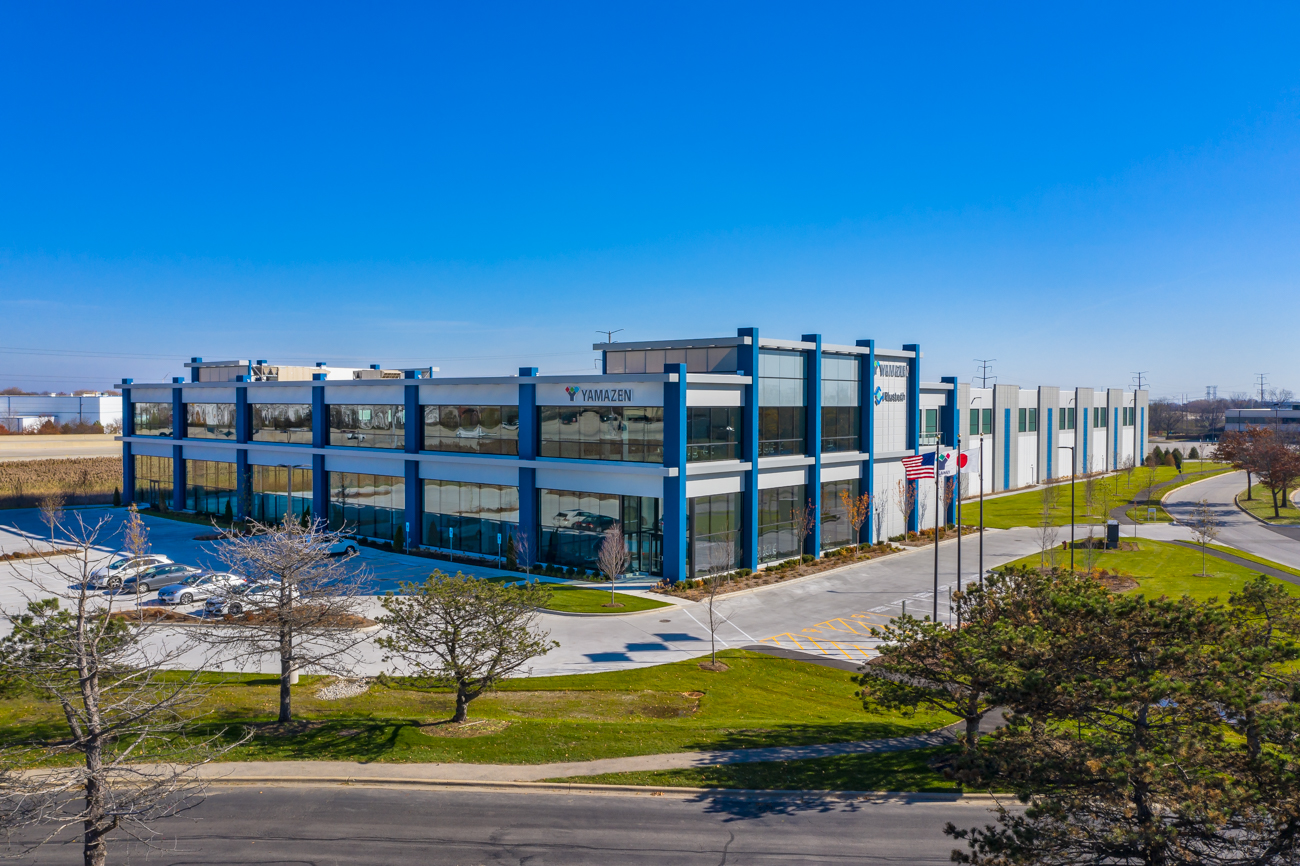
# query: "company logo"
x,y
892,371
599,395
882,396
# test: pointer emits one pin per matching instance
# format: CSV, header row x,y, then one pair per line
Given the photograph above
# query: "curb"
x,y
666,607
1236,500
624,790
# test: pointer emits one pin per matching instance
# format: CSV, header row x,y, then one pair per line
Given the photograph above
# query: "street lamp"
x,y
980,421
1070,448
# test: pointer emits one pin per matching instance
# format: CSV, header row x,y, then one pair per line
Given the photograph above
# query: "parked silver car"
x,y
122,566
156,577
198,587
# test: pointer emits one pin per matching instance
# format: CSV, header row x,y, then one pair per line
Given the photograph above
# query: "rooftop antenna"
x,y
1138,381
609,335
986,364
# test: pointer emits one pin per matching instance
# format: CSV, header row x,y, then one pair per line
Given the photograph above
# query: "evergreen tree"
x,y
1193,454
117,498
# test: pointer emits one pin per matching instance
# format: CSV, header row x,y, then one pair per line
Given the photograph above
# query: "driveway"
x,y
1239,530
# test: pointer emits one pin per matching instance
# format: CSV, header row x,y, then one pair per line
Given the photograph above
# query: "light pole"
x,y
1070,448
289,467
979,421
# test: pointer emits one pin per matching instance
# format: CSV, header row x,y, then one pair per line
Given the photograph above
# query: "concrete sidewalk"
x,y
334,771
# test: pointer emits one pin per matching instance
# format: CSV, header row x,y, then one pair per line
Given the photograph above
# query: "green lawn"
x,y
573,599
895,771
1241,554
1026,509
1167,569
1261,505
1140,514
760,701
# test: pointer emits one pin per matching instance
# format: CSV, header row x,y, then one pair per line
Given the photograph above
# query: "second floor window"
x,y
713,433
472,429
362,425
634,434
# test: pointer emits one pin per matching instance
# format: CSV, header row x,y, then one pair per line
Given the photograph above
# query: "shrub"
x,y
1193,454
117,498
807,557
745,572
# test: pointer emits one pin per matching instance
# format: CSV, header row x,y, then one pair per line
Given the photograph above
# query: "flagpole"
x,y
936,528
981,508
956,490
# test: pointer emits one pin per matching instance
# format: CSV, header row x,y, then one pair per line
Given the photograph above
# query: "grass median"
x,y
1261,505
918,770
1026,509
760,701
1161,568
576,599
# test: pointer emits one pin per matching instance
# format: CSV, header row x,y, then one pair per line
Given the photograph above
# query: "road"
x,y
1239,530
60,446
394,827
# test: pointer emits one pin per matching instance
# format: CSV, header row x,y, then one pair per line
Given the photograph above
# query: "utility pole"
x,y
609,335
985,365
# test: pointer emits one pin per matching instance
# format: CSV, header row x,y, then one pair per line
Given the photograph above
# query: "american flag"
x,y
920,466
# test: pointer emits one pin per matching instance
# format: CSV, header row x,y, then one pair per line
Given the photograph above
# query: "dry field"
x,y
82,480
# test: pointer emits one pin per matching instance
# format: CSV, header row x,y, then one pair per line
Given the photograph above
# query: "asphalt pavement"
x,y
418,827
1237,529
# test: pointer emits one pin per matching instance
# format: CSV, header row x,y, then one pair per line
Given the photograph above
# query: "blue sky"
x,y
1079,193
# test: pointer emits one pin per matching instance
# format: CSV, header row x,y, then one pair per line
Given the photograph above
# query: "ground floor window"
x,y
572,523
153,481
778,511
715,543
373,506
272,489
836,529
470,518
210,487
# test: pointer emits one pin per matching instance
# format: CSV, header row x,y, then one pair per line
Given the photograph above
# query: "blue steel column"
x,y
867,433
528,522
243,427
128,460
914,427
813,434
178,433
414,425
950,430
319,480
675,530
747,363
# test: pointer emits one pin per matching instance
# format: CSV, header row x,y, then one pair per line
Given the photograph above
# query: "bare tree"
x,y
857,509
523,552
803,521
722,558
52,511
119,679
1205,525
612,558
464,632
905,501
879,509
1047,529
310,621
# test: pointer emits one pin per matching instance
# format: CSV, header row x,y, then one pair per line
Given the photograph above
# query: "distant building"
x,y
26,413
1284,415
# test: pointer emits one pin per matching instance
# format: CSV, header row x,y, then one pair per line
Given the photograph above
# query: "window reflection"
x,y
373,506
778,509
841,412
634,434
368,426
153,481
210,421
152,419
272,491
472,429
836,529
468,518
715,540
782,419
713,433
288,423
210,487
572,523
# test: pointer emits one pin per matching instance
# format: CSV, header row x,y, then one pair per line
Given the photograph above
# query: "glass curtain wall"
x,y
368,426
781,401
572,523
634,434
210,487
469,517
715,542
210,421
713,433
373,506
152,419
836,529
718,359
287,423
153,481
841,408
472,429
271,492
778,510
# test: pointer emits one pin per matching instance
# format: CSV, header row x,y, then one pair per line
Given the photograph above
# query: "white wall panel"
x,y
150,395
382,395
268,457
481,472
840,471
1027,467
161,448
625,484
208,452
290,394
782,478
208,395
714,485
469,395
714,395
364,463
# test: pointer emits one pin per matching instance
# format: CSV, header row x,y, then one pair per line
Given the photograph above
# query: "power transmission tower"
x,y
609,335
985,364
1211,393
1263,383
1139,381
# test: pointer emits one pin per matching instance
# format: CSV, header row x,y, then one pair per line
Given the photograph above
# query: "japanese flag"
x,y
969,461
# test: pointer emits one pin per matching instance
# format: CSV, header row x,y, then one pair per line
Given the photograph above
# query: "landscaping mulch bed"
x,y
39,554
698,590
1116,582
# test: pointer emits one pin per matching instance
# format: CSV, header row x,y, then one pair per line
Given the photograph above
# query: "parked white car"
x,y
250,597
122,566
343,547
198,587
